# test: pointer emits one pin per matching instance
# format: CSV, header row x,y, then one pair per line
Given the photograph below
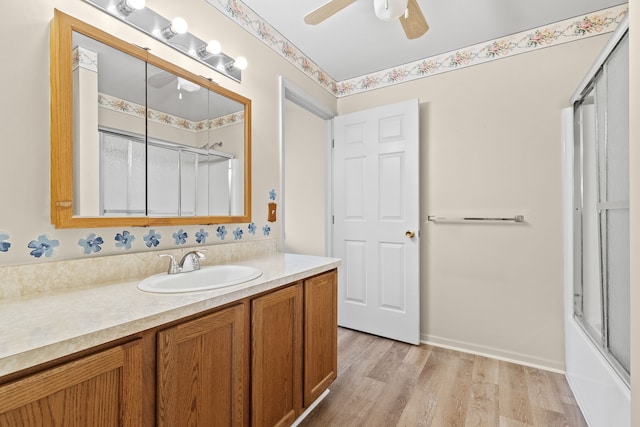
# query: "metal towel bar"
x,y
515,218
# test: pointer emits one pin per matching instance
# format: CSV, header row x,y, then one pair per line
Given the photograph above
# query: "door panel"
x,y
376,202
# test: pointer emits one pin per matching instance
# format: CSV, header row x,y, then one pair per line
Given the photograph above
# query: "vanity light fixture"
x,y
240,63
136,14
177,26
212,48
127,7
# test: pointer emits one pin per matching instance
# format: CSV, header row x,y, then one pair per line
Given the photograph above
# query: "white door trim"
x,y
291,92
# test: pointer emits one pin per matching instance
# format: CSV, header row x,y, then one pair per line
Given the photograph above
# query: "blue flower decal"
x,y
42,246
4,246
124,240
252,228
201,236
266,230
272,194
221,231
152,239
237,234
180,237
91,243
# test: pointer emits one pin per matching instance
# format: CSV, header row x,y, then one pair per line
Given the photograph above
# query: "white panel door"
x,y
376,220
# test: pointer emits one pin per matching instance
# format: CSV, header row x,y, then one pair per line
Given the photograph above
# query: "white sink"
x,y
213,277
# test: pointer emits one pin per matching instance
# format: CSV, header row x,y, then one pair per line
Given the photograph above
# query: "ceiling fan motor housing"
x,y
389,10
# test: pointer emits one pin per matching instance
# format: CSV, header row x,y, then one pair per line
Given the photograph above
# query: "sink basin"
x,y
213,277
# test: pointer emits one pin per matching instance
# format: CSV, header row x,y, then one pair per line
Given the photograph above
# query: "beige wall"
x,y
304,153
490,146
24,149
634,148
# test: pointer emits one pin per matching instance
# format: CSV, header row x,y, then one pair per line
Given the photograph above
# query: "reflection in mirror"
x,y
108,130
152,143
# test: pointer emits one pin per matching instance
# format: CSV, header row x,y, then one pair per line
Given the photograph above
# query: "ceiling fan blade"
x,y
415,25
326,10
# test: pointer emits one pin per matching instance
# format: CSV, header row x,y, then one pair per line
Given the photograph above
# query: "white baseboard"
x,y
495,353
310,408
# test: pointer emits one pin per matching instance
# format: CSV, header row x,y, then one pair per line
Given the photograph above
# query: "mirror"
x,y
139,141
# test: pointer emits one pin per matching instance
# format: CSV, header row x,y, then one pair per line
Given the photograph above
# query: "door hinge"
x,y
333,219
333,143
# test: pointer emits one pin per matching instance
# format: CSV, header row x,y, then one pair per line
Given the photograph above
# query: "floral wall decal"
x,y
152,238
221,231
266,230
124,240
237,234
4,245
43,246
252,228
201,236
180,237
91,244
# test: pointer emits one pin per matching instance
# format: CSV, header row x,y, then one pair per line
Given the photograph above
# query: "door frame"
x,y
289,91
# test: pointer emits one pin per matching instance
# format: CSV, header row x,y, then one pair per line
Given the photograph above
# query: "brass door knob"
x,y
410,234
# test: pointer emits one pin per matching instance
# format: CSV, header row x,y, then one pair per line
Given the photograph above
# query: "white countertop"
x,y
38,329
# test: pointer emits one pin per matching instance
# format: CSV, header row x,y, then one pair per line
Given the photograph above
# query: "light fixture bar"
x,y
166,31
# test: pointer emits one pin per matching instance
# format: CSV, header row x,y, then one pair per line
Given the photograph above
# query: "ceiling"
x,y
353,42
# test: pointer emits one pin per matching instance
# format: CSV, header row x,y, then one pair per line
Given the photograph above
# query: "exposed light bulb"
x,y
214,47
240,63
136,4
179,25
389,10
126,7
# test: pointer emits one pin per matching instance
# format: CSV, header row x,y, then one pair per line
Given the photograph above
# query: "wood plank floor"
x,y
387,383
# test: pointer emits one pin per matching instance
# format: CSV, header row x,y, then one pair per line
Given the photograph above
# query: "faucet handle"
x,y
173,266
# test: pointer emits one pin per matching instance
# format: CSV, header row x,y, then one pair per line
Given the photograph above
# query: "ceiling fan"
x,y
408,12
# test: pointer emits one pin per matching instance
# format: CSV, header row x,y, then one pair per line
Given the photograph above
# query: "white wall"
x,y
490,138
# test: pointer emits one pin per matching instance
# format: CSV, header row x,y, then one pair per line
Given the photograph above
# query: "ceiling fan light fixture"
x,y
389,10
187,86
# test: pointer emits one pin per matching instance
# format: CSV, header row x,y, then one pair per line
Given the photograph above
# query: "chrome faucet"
x,y
189,262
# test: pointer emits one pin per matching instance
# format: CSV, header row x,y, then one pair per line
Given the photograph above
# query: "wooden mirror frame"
x,y
62,28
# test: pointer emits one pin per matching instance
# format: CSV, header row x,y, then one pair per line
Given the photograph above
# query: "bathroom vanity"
x,y
256,354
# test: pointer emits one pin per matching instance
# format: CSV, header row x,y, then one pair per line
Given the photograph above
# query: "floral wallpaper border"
x,y
600,22
123,106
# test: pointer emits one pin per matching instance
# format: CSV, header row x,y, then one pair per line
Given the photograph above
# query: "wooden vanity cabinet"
x,y
103,389
320,334
258,362
276,357
202,374
294,349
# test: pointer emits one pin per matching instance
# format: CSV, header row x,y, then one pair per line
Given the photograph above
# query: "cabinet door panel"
x,y
320,334
104,389
201,371
276,326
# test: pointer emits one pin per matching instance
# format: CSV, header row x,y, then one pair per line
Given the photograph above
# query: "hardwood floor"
x,y
387,383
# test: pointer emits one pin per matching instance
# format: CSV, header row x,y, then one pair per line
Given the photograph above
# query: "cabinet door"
x,y
201,371
320,334
276,327
104,389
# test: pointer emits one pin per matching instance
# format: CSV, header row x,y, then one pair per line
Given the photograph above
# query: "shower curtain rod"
x,y
515,218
